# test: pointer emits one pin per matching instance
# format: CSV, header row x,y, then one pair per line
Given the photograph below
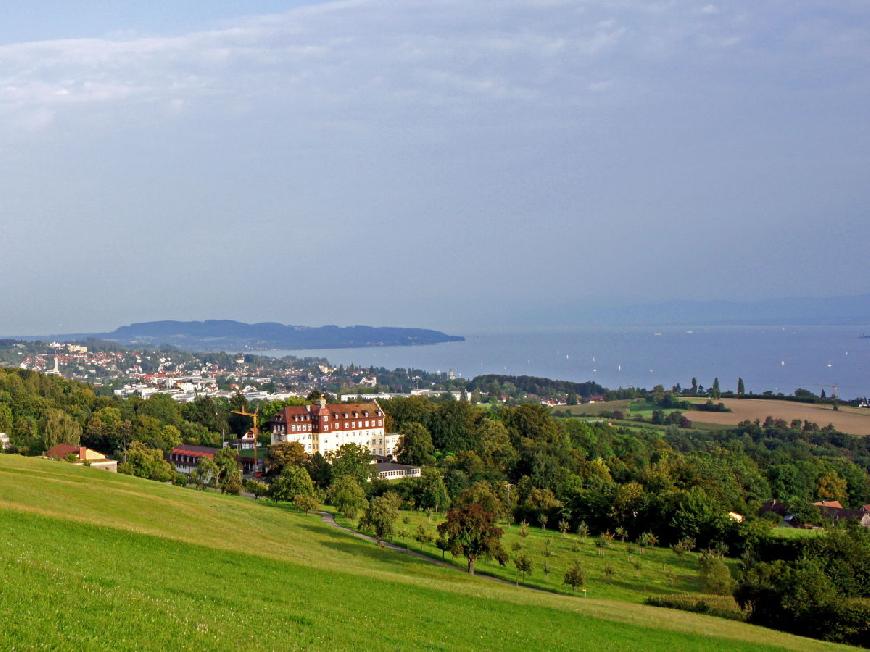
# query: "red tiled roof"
x,y
60,451
194,451
829,503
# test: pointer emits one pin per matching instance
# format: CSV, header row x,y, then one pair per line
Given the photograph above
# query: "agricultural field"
x,y
93,560
854,421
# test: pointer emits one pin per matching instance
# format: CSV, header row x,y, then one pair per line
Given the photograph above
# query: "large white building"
x,y
324,428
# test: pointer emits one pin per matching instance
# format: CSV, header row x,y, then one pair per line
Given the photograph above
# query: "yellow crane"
x,y
255,431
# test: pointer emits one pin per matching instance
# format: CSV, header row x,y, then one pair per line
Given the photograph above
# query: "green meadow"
x,y
91,560
620,571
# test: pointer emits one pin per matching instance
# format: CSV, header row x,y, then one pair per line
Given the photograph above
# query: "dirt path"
x,y
329,519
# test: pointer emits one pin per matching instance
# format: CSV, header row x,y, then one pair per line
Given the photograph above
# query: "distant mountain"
x,y
228,335
829,311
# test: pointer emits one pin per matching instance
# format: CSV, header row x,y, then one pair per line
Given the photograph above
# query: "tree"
x,y
832,486
423,536
494,445
381,514
472,533
574,576
524,567
352,460
415,445
292,482
714,574
229,476
715,393
145,462
205,474
282,455
347,496
307,503
60,428
432,492
741,388
694,386
257,488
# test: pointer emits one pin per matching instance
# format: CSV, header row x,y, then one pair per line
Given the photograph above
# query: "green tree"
x,y
145,462
415,445
381,514
574,576
741,388
293,481
523,564
205,474
282,455
832,486
714,574
472,533
60,428
714,392
229,477
347,496
432,492
353,460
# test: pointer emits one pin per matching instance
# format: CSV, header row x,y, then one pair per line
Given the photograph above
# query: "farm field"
x,y
92,560
855,421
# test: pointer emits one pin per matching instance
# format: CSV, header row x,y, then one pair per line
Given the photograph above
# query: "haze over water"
x,y
780,359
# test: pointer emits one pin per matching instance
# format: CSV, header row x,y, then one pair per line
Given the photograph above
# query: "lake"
x,y
768,358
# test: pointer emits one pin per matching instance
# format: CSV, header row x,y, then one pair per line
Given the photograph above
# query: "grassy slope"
x,y
91,560
637,574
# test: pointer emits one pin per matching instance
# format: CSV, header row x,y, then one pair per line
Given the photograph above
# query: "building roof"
x,y
329,408
194,451
835,504
392,466
60,451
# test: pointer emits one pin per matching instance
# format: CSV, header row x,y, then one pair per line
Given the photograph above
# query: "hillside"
x,y
228,335
94,560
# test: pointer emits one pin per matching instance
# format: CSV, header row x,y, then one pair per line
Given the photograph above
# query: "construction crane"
x,y
255,430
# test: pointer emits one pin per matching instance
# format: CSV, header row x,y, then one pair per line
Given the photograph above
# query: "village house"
x,y
323,428
81,456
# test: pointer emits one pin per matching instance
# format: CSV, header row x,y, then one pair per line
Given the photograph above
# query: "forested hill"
x,y
228,335
494,383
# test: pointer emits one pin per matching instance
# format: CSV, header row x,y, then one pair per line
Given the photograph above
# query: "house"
x,y
81,456
185,457
323,428
4,441
393,471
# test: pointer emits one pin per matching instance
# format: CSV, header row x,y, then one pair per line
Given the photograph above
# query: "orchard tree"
x,y
472,533
293,481
282,455
574,576
381,515
524,567
347,496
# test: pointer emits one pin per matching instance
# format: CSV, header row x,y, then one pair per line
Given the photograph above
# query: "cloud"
x,y
335,57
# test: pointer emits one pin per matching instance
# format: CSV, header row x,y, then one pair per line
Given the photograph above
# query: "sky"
x,y
437,163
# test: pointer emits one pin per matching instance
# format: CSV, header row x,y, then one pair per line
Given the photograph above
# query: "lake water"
x,y
768,358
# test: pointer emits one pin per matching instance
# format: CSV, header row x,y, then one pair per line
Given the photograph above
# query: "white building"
x,y
324,428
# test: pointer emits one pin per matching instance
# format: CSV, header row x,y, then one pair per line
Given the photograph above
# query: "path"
x,y
329,519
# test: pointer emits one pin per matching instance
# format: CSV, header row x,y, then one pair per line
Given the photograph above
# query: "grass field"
x,y
92,560
636,573
855,421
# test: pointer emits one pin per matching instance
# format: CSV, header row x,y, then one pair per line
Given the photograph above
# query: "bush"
x,y
714,605
714,574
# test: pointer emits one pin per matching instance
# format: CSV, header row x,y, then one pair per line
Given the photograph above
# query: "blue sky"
x,y
437,163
